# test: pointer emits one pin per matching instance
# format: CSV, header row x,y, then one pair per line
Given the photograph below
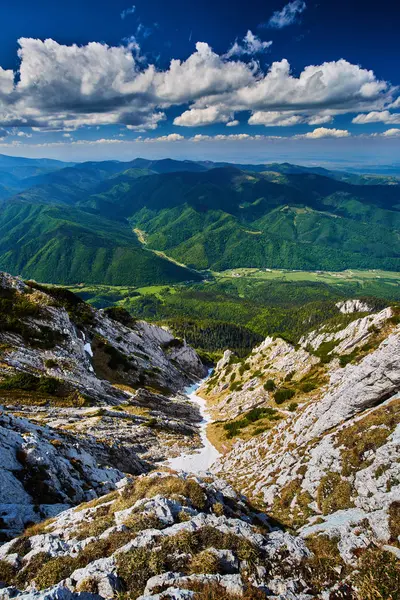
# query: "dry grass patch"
x,y
377,576
394,521
290,506
215,591
322,569
369,433
333,493
169,486
205,562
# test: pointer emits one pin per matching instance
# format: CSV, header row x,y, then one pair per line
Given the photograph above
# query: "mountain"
x,y
51,243
102,386
20,161
310,431
93,402
225,218
200,215
17,174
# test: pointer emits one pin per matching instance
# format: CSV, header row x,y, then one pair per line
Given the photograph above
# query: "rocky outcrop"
x,y
353,306
59,336
43,471
331,468
343,340
162,535
88,396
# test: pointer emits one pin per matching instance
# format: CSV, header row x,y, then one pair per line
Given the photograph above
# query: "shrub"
x,y
269,385
32,383
293,406
90,585
307,387
121,315
283,394
136,567
205,562
54,571
50,363
7,572
218,509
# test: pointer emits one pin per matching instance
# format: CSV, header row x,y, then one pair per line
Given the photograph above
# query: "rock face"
x,y
92,402
330,468
162,535
60,336
87,397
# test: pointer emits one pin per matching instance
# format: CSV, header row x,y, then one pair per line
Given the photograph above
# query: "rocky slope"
x,y
160,536
86,397
315,430
310,432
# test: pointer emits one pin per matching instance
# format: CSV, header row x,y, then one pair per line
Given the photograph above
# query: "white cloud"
x,y
378,117
128,11
250,45
395,104
172,137
202,116
392,132
234,123
65,87
203,74
320,119
232,137
275,118
324,132
288,15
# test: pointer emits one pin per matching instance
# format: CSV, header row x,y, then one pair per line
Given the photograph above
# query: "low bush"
x,y
121,315
269,385
283,394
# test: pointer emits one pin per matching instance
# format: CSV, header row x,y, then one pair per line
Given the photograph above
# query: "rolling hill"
x,y
51,244
225,217
130,223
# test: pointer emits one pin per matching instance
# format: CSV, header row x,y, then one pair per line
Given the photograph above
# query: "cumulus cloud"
x,y
324,132
172,137
287,119
250,45
392,132
384,116
65,87
202,116
288,15
275,118
233,123
128,11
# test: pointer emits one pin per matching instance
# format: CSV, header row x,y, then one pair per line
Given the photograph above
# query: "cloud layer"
x,y
65,87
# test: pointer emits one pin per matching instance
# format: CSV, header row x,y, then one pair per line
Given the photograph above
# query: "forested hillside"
x,y
144,222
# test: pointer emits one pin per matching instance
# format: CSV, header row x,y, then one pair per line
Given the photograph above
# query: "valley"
x,y
199,383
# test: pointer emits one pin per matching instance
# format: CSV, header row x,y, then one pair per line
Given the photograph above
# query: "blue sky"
x,y
242,81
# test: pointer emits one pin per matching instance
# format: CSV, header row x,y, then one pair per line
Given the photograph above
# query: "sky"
x,y
306,81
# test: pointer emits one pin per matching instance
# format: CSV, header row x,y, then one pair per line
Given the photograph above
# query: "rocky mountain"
x,y
160,536
93,407
87,396
312,436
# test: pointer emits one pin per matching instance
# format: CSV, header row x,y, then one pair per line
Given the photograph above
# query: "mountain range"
x,y
163,221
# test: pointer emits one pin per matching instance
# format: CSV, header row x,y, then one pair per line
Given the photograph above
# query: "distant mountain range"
x,y
161,221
